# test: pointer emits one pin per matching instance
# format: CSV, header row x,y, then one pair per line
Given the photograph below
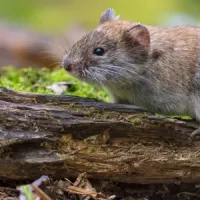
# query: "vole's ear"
x,y
108,15
137,35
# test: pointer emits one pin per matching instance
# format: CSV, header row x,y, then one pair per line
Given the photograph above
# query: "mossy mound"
x,y
36,80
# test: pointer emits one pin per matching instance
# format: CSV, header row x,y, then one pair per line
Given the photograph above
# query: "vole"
x,y
152,67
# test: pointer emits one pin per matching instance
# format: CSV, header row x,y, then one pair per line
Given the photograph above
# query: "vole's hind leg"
x,y
195,133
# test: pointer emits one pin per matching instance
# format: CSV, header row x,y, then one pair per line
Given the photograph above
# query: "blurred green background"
x,y
53,17
56,15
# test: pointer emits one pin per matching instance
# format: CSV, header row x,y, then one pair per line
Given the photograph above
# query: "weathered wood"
x,y
61,136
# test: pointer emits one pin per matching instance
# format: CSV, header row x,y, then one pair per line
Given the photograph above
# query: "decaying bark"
x,y
62,136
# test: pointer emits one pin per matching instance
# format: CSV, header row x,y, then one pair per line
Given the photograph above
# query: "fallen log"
x,y
62,136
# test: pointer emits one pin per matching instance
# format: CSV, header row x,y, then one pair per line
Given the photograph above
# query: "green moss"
x,y
137,119
49,145
104,115
36,80
90,145
175,117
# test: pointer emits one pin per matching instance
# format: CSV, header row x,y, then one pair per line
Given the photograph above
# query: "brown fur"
x,y
155,68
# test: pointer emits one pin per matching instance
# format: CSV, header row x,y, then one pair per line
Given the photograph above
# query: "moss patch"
x,y
36,80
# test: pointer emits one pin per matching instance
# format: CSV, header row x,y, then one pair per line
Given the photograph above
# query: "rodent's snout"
x,y
67,64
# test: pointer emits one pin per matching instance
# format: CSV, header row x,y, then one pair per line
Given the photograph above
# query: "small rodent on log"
x,y
152,67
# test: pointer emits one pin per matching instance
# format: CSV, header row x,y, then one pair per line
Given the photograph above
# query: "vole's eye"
x,y
99,51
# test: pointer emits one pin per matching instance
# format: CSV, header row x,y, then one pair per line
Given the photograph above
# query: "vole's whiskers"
x,y
93,77
84,73
64,43
48,52
52,45
54,57
103,73
65,50
55,64
122,71
44,41
109,73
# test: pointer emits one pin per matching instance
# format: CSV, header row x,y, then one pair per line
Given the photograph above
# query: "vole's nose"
x,y
67,64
